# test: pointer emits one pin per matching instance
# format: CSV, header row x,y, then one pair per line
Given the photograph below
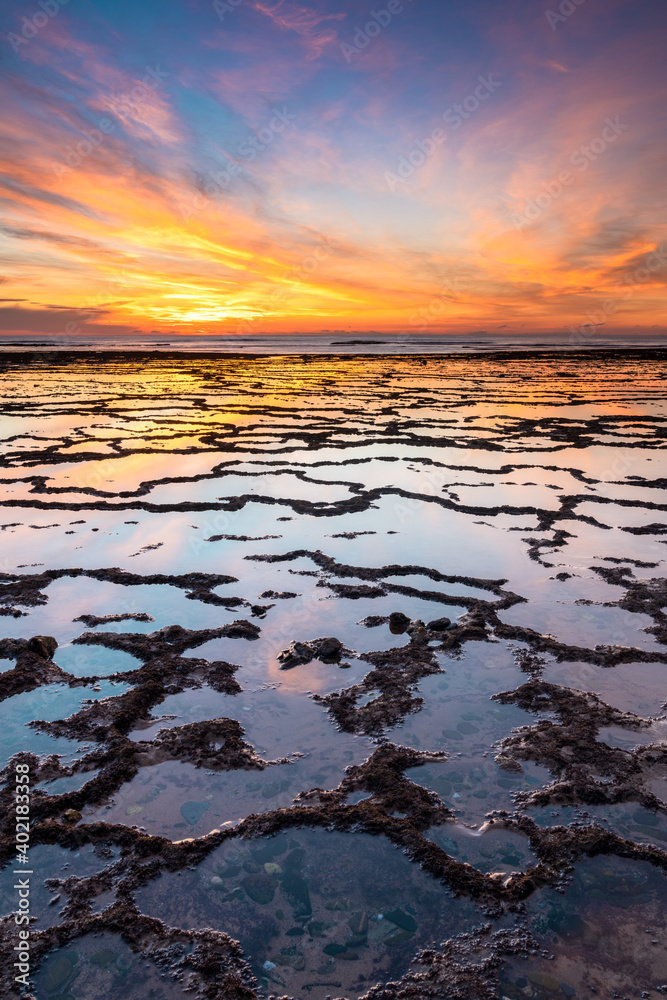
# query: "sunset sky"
x,y
264,166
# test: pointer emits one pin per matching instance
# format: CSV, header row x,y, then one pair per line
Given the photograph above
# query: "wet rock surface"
x,y
489,546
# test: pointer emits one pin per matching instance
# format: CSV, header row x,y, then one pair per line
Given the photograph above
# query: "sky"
x,y
264,166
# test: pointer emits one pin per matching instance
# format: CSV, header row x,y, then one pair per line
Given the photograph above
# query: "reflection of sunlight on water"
x,y
339,423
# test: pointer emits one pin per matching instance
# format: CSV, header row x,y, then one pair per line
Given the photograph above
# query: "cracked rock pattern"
x,y
377,708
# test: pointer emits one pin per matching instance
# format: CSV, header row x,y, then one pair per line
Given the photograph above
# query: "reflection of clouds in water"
x,y
454,470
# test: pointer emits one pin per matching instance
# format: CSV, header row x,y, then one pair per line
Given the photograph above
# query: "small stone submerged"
x,y
192,812
314,903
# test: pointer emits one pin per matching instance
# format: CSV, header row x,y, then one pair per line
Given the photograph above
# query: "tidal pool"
x,y
314,910
390,633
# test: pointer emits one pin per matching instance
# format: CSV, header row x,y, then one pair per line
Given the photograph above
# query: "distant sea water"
x,y
335,343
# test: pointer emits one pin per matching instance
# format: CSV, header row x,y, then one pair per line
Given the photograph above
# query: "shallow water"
x,y
334,909
189,528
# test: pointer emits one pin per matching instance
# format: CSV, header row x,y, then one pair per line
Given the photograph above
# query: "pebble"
x,y
297,962
401,919
358,923
439,624
192,812
333,949
57,972
330,648
271,868
398,937
379,931
398,622
260,888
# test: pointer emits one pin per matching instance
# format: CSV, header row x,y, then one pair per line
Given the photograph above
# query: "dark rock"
x,y
398,937
334,949
329,648
295,932
260,888
508,763
294,859
44,645
398,622
402,919
298,653
439,624
231,871
296,889
358,923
